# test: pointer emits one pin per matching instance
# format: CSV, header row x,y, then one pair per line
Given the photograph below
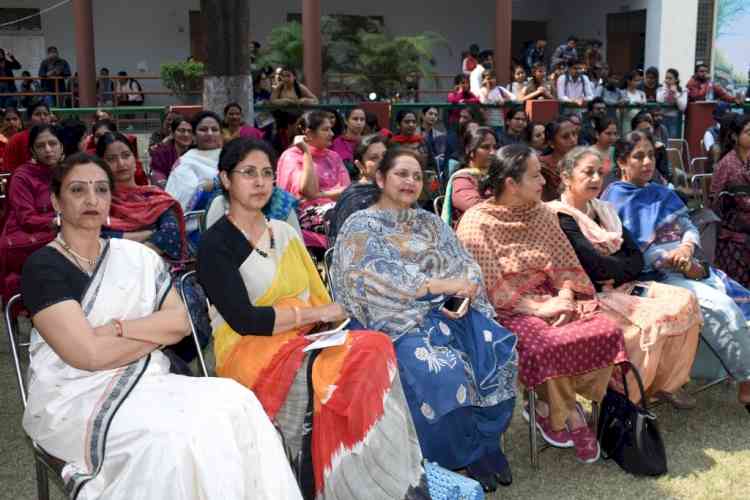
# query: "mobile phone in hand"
x,y
458,305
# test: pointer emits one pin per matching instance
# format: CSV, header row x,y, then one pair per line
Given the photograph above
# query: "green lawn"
x,y
708,451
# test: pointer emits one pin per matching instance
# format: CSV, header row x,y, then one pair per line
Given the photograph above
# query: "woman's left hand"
x,y
469,290
681,258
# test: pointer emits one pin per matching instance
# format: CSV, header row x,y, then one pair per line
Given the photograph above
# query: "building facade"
x,y
139,35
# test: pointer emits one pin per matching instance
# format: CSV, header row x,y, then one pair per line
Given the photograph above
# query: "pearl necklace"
x,y
272,244
78,257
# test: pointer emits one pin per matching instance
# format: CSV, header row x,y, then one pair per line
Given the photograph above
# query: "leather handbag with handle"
x,y
628,432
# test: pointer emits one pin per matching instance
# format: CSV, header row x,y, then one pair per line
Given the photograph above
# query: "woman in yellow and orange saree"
x,y
268,295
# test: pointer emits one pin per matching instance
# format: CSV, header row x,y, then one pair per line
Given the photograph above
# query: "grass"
x,y
708,455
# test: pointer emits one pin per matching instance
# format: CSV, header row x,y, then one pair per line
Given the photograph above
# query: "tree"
x,y
357,55
391,65
228,76
728,12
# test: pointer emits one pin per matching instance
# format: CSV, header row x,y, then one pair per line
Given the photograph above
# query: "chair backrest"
x,y
193,330
675,158
437,204
4,178
215,210
699,165
327,263
701,183
11,327
195,220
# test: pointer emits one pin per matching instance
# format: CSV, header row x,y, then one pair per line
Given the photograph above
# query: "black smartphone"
x,y
455,304
639,291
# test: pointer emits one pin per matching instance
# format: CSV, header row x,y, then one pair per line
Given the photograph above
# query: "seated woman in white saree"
x,y
101,397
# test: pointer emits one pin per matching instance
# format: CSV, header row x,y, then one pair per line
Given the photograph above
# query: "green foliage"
x,y
728,11
357,55
183,77
284,47
389,65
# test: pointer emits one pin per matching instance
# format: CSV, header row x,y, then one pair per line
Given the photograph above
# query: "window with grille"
x,y
705,31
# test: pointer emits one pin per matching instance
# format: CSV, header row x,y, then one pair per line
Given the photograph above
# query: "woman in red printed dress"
x,y
541,293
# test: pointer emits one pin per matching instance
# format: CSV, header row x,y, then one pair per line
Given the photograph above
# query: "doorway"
x,y
198,36
626,40
523,33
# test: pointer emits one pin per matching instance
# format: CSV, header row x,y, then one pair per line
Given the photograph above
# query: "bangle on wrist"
x,y
297,316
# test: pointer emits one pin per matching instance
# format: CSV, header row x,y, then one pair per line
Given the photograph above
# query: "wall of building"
x,y
670,27
138,35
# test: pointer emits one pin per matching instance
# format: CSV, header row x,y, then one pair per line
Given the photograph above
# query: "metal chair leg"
x,y
42,482
595,417
532,428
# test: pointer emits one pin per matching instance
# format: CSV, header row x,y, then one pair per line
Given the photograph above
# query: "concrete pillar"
x,y
84,24
312,51
671,27
503,23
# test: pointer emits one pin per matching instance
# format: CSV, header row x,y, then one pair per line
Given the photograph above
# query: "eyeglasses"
x,y
252,173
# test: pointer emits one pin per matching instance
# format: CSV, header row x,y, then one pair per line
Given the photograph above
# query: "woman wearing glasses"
x,y
341,408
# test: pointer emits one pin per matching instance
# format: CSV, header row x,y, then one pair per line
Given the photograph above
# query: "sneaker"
x,y
587,447
558,439
586,444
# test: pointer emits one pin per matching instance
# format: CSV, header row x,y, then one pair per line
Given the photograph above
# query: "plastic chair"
x,y
193,330
43,461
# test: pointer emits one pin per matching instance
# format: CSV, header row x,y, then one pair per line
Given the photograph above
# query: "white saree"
x,y
139,432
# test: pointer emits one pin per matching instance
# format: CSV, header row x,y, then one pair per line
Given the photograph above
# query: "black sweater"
x,y
622,266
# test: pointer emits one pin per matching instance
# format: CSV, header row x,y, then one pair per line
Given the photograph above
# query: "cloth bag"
x,y
628,433
448,485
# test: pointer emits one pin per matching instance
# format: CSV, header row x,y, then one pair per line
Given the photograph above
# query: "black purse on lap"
x,y
628,433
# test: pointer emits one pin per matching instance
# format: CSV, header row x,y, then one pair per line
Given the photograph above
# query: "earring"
x,y
109,221
58,219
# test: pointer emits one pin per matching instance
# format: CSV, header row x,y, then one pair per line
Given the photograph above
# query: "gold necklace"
x,y
76,256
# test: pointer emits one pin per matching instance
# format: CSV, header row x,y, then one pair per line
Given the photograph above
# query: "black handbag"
x,y
628,433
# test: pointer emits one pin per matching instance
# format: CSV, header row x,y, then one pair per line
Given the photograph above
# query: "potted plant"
x,y
184,79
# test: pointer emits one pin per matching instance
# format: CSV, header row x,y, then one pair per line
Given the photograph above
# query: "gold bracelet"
x,y
297,316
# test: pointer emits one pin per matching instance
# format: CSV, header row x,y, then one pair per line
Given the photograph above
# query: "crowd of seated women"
x,y
550,265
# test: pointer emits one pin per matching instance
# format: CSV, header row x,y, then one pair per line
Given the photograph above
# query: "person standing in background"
x,y
8,63
51,69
